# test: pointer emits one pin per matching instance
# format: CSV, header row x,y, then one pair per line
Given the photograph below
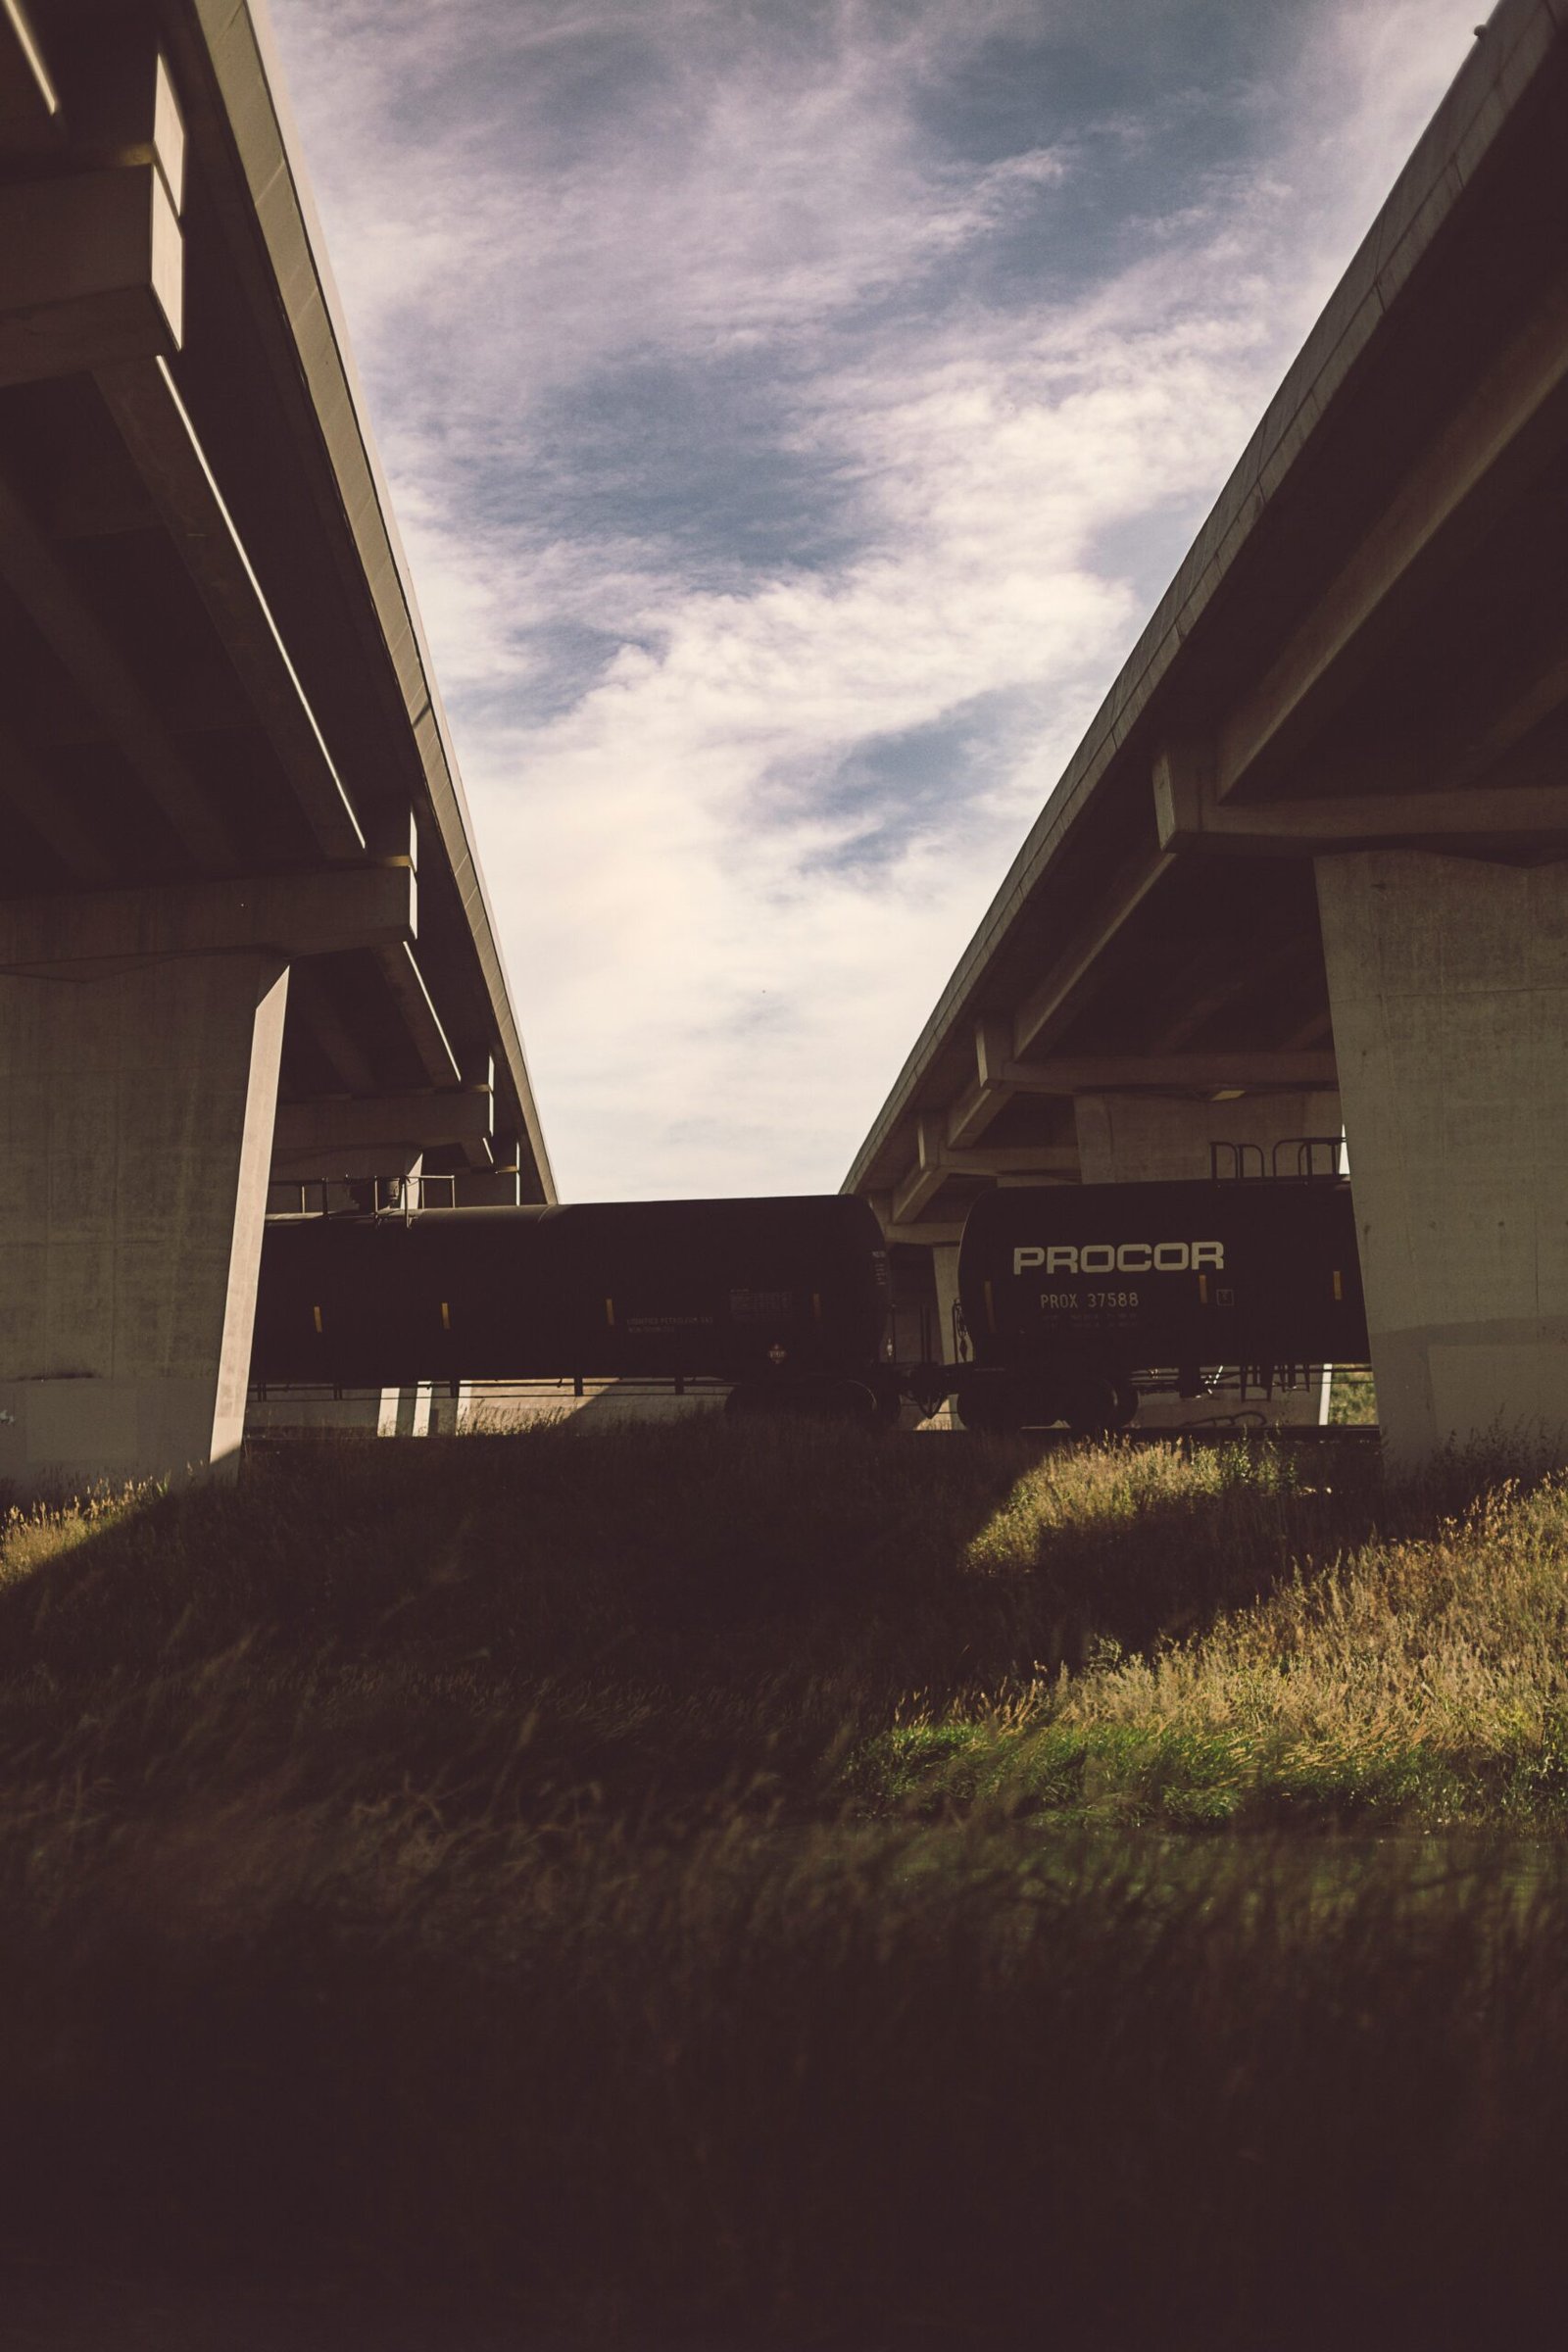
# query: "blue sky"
x,y
793,409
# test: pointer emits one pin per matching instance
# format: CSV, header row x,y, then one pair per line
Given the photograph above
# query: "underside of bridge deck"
x,y
1364,656
219,730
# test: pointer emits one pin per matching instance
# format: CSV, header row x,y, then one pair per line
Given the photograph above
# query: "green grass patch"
x,y
1353,1398
700,1884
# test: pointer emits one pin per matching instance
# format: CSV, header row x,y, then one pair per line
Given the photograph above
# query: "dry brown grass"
x,y
685,1886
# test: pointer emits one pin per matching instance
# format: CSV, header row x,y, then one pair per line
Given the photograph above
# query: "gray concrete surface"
x,y
135,1133
1449,984
481,1408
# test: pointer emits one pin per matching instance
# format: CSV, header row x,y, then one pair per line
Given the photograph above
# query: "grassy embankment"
x,y
744,1881
1352,1400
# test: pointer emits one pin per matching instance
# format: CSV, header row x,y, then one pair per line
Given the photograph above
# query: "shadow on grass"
x,y
653,1617
426,1869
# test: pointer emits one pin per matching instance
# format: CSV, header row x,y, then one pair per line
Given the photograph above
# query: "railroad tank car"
x,y
785,1297
1069,1293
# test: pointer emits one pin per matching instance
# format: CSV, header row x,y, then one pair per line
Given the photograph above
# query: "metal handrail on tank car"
x,y
386,1196
1307,1149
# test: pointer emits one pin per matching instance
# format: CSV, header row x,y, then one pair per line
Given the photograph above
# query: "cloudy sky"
x,y
793,408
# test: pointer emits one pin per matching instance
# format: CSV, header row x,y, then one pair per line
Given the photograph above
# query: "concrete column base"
x,y
292,1413
1449,984
135,1131
300,1412
405,1413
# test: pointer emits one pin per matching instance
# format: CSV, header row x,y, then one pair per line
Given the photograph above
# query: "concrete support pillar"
x,y
136,1119
1449,984
405,1413
449,1414
1154,1139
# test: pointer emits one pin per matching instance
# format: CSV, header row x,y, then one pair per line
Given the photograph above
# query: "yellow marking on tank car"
x,y
817,1307
446,1316
1202,1289
610,1312
990,1310
1338,1286
316,1317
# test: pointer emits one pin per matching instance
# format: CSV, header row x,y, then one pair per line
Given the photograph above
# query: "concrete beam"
x,y
988,1093
94,502
1053,995
30,104
36,797
91,270
926,1179
258,194
930,1233
95,935
1437,514
938,1159
34,572
124,108
356,1163
314,1010
993,1051
392,831
154,424
498,1186
1535,698
402,977
1218,981
1190,814
1009,1159
336,1124
973,1111
1193,1073
207,702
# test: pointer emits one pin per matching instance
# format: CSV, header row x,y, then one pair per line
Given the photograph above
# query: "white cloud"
x,y
716,983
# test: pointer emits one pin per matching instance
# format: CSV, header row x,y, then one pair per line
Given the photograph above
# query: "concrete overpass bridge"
x,y
1308,862
243,931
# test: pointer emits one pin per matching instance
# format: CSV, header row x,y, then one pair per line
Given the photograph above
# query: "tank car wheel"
x,y
1092,1408
999,1405
984,1405
852,1401
1127,1400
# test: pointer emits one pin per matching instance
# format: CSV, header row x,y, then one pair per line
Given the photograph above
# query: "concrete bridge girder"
x,y
230,721
1330,772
